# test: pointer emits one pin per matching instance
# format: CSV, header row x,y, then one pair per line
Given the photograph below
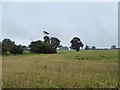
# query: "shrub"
x,y
41,47
16,50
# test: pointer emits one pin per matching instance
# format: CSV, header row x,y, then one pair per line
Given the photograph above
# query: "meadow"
x,y
66,69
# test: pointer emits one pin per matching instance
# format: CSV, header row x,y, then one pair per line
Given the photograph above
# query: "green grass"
x,y
67,69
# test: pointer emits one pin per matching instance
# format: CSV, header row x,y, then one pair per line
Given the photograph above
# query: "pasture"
x,y
66,69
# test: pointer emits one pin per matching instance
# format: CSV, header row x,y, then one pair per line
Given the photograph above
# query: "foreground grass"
x,y
84,69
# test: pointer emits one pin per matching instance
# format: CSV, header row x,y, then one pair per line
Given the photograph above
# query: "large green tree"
x,y
76,44
55,42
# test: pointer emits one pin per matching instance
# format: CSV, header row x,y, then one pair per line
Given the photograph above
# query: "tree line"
x,y
49,45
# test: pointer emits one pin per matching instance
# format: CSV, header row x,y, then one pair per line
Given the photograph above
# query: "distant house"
x,y
64,48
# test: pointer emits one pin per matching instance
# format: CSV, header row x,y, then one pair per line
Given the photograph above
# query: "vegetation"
x,y
87,47
0,48
93,48
63,48
41,47
9,46
16,49
67,69
55,42
76,44
49,45
113,47
89,68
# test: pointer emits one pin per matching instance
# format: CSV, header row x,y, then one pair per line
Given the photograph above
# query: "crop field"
x,y
66,69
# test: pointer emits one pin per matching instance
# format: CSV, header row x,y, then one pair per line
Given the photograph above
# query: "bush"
x,y
16,50
41,47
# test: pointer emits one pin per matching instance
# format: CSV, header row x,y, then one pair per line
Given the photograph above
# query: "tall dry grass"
x,y
67,69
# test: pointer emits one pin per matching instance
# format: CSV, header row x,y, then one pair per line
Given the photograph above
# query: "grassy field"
x,y
67,69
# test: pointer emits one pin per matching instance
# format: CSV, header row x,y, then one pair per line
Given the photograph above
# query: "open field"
x,y
67,69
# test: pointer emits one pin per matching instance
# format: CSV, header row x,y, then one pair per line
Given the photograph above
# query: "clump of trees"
x,y
41,47
76,43
49,45
9,46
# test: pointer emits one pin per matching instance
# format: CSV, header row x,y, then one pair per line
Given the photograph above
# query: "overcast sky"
x,y
96,23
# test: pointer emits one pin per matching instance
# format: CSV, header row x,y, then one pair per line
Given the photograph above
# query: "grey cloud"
x,y
94,23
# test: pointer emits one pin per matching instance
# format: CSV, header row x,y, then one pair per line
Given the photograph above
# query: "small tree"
x,y
87,47
113,47
93,48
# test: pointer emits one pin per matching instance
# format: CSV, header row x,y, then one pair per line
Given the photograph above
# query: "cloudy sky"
x,y
96,23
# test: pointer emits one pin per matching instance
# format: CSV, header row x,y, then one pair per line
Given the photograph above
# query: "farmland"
x,y
66,69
